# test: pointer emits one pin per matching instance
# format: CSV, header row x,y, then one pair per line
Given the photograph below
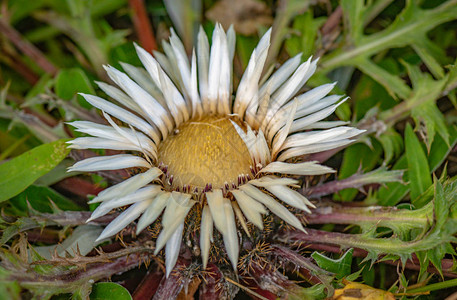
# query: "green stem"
x,y
435,286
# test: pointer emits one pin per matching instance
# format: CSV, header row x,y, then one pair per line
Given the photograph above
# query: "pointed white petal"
x,y
240,217
140,76
206,232
325,125
281,75
121,134
155,112
305,168
290,88
214,70
172,249
265,181
272,205
282,134
178,206
299,124
262,146
128,186
124,219
231,235
291,197
169,63
225,76
203,67
119,96
113,162
249,140
197,109
153,211
123,115
146,193
216,205
171,94
314,148
248,87
319,105
101,143
312,96
252,209
315,137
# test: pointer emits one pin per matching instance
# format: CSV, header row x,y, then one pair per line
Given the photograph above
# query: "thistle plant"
x,y
308,156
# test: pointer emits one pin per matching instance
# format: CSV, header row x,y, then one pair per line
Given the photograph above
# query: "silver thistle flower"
x,y
231,158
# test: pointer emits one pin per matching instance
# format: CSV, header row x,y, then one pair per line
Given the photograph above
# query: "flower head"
x,y
228,158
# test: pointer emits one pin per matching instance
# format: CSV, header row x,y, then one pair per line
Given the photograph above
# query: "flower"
x,y
201,150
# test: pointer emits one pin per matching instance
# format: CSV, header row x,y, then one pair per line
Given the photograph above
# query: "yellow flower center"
x,y
205,151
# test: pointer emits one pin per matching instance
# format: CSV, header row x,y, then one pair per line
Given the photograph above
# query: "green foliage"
x,y
109,290
418,169
396,60
20,172
341,266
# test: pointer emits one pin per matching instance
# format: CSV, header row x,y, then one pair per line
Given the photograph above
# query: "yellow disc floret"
x,y
205,151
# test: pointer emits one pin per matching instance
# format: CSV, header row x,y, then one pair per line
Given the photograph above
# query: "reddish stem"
x,y
149,285
209,288
142,25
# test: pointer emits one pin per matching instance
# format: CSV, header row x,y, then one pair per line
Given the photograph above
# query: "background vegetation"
x,y
392,202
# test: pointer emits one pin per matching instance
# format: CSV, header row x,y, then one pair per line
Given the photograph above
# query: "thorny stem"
x,y
411,264
315,274
332,213
69,281
210,287
357,181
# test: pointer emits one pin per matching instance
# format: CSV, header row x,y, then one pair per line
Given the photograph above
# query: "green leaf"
x,y
69,82
9,289
355,157
17,174
440,149
109,290
418,169
341,267
392,143
306,28
39,198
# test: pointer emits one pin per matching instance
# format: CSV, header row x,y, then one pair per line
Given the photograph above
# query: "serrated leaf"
x,y
109,290
418,169
430,54
341,266
20,172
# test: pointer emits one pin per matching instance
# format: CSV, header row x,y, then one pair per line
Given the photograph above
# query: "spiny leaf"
x,y
341,267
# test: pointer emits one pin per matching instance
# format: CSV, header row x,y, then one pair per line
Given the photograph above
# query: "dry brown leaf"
x,y
245,15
